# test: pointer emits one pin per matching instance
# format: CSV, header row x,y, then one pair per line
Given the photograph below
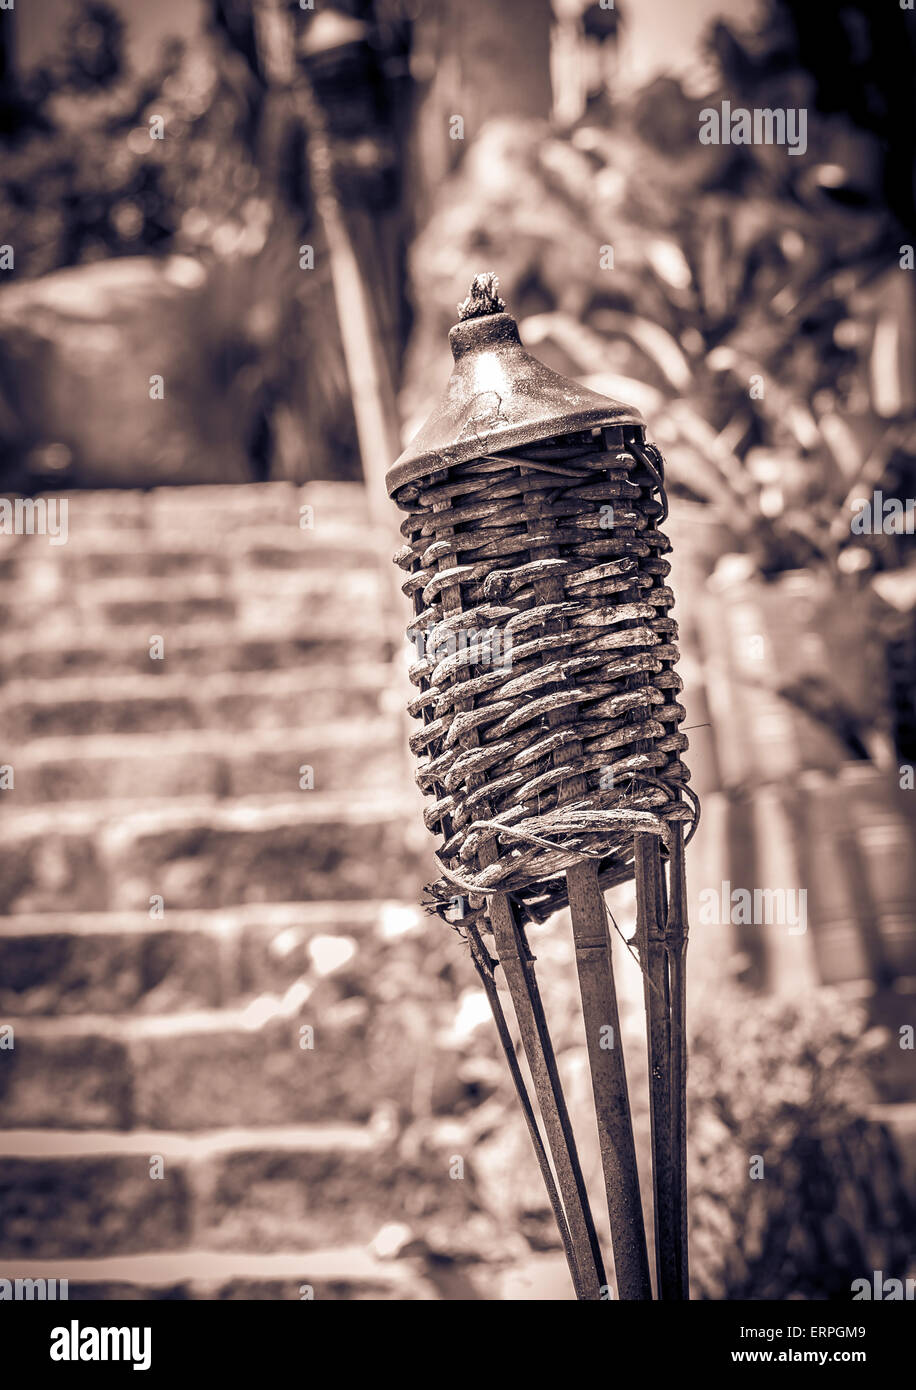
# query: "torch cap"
x,y
499,397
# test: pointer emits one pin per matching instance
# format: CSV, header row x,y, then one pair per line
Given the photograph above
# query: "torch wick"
x,y
483,298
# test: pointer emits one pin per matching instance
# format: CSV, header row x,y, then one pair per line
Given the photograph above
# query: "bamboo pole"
x,y
518,967
651,916
676,937
594,962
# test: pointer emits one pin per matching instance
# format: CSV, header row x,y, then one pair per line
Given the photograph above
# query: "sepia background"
x,y
237,1058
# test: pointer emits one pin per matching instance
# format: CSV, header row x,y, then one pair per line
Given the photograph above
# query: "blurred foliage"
x,y
769,338
787,1081
82,180
753,304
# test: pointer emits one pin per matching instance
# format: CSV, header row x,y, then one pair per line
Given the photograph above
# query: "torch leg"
x,y
484,965
609,1080
518,967
676,934
651,940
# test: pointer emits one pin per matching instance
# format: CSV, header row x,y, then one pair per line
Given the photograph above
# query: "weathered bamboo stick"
x,y
594,963
650,936
676,934
484,964
518,967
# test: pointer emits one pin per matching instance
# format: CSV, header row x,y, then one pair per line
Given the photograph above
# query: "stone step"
x,y
210,762
315,1054
350,1273
179,524
255,552
194,853
199,648
253,596
163,702
197,509
200,508
67,1195
129,962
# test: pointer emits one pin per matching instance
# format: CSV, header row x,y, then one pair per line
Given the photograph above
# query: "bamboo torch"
x,y
550,747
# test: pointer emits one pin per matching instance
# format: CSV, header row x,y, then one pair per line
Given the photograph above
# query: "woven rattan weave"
x,y
545,663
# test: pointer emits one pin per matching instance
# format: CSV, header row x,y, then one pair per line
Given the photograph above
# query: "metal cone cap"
x,y
499,397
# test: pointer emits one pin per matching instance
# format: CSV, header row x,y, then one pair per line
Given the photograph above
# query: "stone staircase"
x,y
244,1064
209,848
